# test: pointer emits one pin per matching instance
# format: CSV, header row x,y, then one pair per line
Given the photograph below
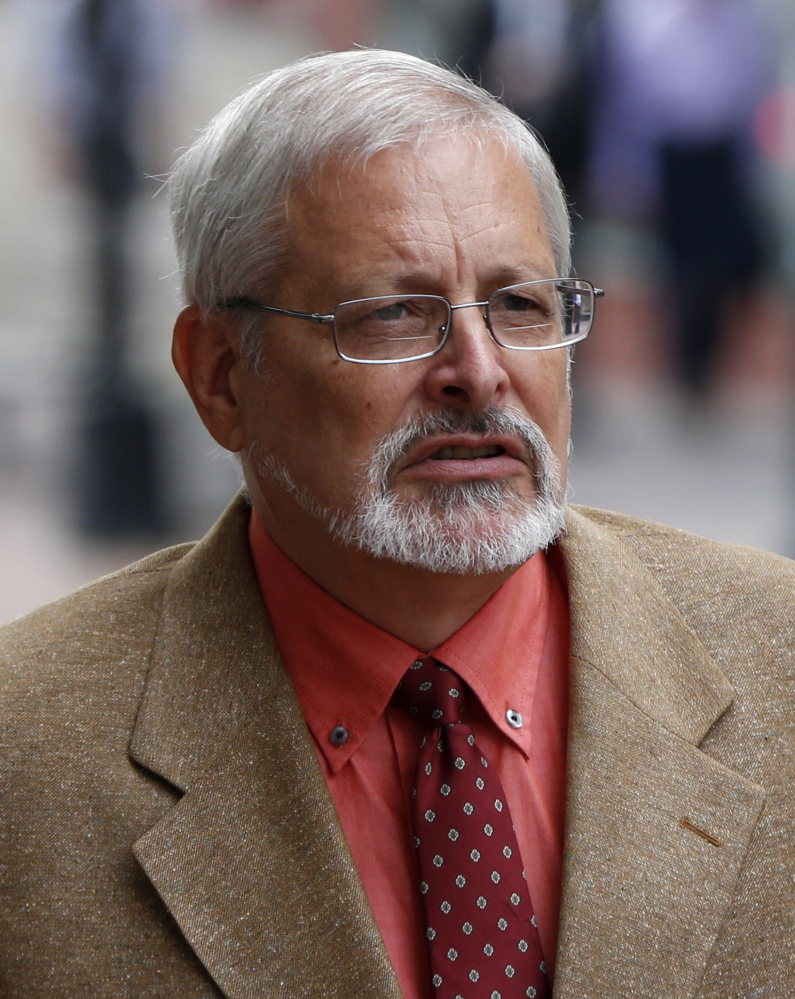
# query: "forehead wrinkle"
x,y
443,229
418,222
485,210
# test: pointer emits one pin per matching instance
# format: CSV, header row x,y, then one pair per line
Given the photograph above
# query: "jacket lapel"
x,y
252,862
656,830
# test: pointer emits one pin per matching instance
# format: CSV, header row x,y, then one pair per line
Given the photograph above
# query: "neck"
x,y
422,608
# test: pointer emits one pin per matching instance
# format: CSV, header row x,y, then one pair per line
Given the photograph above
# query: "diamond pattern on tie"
x,y
481,930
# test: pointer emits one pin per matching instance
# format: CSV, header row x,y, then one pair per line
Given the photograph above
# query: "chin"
x,y
465,528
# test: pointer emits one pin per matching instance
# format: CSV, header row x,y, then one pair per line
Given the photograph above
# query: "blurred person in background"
x,y
453,32
402,723
673,145
105,67
538,60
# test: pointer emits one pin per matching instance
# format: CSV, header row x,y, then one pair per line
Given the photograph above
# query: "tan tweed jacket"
x,y
167,834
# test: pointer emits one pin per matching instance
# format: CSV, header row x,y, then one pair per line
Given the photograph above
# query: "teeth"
x,y
467,453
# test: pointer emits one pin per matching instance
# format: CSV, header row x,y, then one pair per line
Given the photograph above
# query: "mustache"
x,y
495,420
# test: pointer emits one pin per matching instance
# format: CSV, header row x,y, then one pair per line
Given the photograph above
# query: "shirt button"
x,y
339,735
514,718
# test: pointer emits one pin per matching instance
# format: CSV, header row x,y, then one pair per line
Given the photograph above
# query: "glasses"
x,y
392,329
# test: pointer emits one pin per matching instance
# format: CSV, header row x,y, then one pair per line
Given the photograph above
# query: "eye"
x,y
390,312
518,303
526,299
511,301
390,328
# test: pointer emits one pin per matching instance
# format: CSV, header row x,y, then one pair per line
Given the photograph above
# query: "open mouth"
x,y
467,453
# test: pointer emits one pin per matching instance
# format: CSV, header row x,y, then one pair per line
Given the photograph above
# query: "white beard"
x,y
461,528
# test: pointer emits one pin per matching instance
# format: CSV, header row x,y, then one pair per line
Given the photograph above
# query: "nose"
x,y
468,371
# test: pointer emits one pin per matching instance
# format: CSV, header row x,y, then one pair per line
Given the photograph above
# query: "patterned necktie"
x,y
481,930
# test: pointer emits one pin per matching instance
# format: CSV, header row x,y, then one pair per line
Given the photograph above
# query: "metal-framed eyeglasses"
x,y
393,329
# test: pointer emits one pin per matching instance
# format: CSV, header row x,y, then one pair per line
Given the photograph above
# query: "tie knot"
x,y
432,693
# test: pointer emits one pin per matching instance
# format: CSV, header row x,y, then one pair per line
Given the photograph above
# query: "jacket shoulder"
x,y
657,545
87,639
737,599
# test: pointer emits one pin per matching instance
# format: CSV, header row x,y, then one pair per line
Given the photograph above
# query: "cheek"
x,y
324,421
545,393
362,402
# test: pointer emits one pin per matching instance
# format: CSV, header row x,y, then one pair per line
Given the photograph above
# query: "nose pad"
x,y
470,305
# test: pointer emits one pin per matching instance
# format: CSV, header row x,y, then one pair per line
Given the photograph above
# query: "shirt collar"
x,y
345,669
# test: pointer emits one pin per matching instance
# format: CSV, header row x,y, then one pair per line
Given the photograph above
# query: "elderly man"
x,y
390,728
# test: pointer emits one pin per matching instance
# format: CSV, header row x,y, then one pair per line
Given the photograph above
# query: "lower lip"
x,y
461,469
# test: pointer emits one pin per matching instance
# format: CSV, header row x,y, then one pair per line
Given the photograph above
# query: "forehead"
x,y
450,209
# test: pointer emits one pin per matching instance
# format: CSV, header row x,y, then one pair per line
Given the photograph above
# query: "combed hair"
x,y
229,190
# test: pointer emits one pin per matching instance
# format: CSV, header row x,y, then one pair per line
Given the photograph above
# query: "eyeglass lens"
x,y
530,316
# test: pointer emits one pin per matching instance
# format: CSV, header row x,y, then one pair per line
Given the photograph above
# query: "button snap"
x,y
339,735
513,718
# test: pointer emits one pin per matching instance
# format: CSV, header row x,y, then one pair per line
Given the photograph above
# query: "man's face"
x,y
450,219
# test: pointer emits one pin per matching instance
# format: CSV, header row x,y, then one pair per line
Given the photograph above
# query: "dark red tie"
x,y
481,931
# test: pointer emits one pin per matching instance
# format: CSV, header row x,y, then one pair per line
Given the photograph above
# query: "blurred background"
x,y
672,123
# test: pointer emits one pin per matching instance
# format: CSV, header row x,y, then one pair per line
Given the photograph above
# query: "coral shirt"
x,y
513,654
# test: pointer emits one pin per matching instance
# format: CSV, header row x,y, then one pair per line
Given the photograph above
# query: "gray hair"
x,y
229,190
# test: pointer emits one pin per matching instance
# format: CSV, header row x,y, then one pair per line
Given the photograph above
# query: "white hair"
x,y
229,190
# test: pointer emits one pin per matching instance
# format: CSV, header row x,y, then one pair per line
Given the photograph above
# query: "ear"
x,y
206,354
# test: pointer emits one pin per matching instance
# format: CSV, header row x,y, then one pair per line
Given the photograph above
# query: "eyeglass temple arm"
x,y
246,303
597,292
